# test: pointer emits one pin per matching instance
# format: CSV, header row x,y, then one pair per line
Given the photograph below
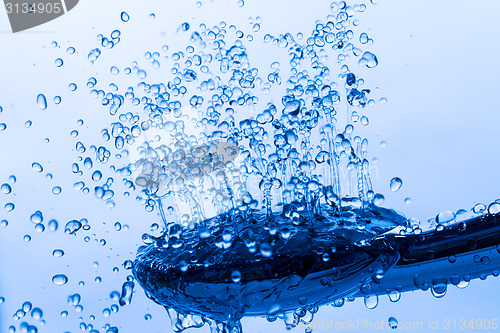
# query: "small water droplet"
x,y
57,253
57,190
236,276
41,101
369,60
37,167
125,17
37,313
59,62
393,323
494,208
396,184
371,302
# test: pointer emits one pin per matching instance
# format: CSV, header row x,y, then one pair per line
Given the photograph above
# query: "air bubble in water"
x,y
396,184
41,101
60,279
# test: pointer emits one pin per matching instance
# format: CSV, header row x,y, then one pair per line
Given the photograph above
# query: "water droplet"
x,y
393,323
72,227
5,188
57,99
37,167
37,313
41,101
369,60
494,208
125,17
371,302
57,190
127,292
57,253
396,184
36,217
9,207
96,176
445,216
3,126
60,279
53,225
479,208
59,62
236,276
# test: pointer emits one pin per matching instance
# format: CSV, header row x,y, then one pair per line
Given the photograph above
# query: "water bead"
x,y
37,313
37,167
6,188
494,208
59,62
41,101
479,208
56,190
445,217
369,60
72,86
60,279
371,302
9,207
124,17
395,184
57,253
28,123
3,126
57,100
393,323
114,70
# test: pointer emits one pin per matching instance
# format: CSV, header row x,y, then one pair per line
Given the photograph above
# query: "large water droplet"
x,y
369,60
60,279
396,184
6,188
494,208
37,167
445,216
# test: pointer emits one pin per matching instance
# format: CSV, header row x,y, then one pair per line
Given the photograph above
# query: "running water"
x,y
258,174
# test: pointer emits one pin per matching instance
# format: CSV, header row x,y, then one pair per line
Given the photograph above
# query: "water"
x,y
238,164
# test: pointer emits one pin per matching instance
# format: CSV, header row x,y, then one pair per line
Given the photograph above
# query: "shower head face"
x,y
260,266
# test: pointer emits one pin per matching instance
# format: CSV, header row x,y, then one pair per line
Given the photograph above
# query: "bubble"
x,y
393,323
396,184
369,60
57,253
6,188
60,279
59,62
56,190
363,38
124,17
37,167
41,101
114,70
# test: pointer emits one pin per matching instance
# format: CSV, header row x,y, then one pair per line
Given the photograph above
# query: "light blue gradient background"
x,y
438,68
